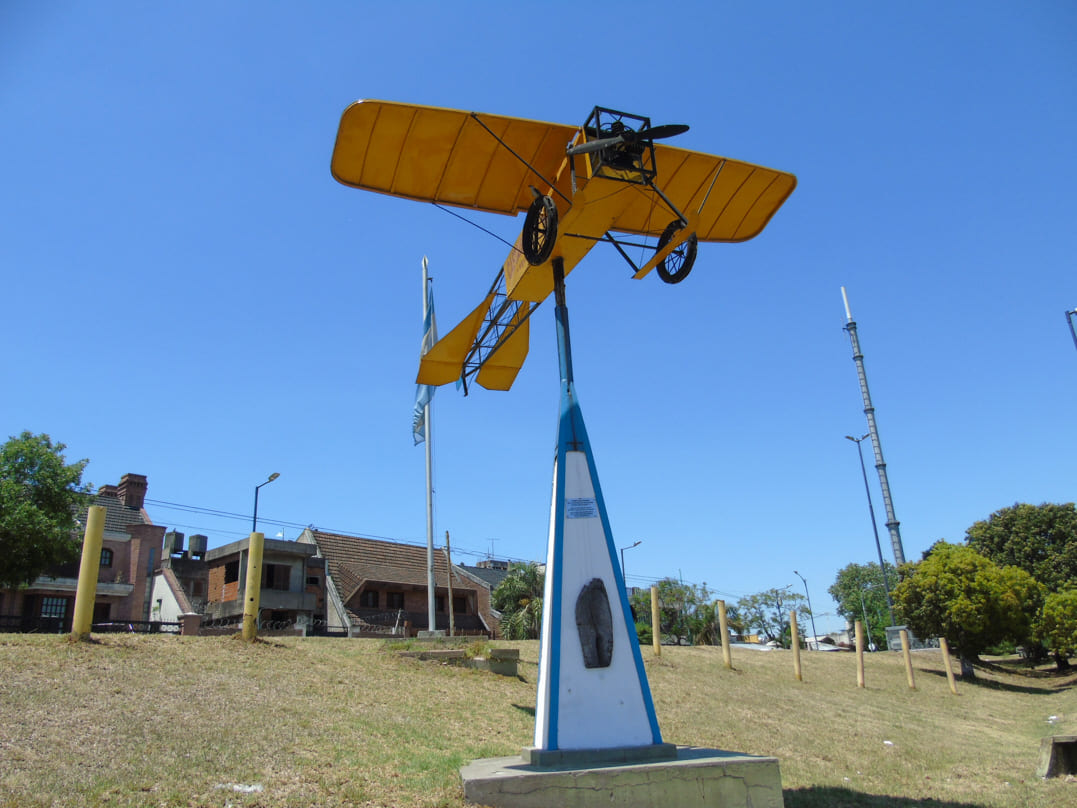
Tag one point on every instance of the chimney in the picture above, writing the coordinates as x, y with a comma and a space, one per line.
107, 491
132, 490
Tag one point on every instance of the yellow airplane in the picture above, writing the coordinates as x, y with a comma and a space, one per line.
578, 185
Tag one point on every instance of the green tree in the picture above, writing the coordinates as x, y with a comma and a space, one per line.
519, 599
956, 593
1040, 539
860, 592
687, 613
1056, 627
768, 613
40, 495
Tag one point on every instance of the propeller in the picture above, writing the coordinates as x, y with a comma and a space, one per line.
654, 133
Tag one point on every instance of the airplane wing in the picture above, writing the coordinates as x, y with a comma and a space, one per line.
453, 157
733, 200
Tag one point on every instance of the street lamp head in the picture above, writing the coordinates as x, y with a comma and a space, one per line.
254, 522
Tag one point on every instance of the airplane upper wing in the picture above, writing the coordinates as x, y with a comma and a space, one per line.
734, 200
449, 156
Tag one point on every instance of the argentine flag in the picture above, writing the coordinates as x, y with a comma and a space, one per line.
424, 392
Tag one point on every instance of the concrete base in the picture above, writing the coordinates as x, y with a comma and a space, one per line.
587, 758
1058, 756
696, 777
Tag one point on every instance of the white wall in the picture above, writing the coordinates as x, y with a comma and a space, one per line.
170, 610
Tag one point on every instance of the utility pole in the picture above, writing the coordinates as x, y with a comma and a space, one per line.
892, 523
448, 577
810, 612
874, 527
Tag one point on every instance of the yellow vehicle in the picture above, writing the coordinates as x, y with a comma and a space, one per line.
605, 181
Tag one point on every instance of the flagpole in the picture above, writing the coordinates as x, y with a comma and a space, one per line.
430, 582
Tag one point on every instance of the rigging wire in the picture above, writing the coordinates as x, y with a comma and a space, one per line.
462, 218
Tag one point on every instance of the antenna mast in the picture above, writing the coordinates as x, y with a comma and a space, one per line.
892, 523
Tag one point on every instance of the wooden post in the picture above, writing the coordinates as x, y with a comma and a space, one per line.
859, 654
945, 646
448, 576
88, 570
795, 637
656, 622
908, 659
253, 592
723, 626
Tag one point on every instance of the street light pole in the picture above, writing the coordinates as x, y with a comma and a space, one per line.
1069, 319
867, 625
254, 522
810, 612
629, 547
874, 527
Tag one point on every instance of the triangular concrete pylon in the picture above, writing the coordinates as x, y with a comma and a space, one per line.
592, 688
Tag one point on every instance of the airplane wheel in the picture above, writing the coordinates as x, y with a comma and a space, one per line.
676, 266
540, 230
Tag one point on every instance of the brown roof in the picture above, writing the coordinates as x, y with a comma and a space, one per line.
117, 515
354, 560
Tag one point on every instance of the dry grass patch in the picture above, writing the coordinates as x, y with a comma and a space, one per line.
838, 743
154, 720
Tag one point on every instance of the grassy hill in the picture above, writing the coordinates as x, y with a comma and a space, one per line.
199, 721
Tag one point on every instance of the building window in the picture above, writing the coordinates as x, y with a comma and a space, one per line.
278, 576
394, 600
197, 589
313, 580
106, 557
459, 604
231, 571
439, 604
368, 599
54, 607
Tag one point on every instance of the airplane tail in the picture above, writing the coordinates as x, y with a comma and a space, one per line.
488, 346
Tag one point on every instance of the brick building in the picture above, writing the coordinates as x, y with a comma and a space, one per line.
381, 586
180, 582
130, 550
293, 584
212, 583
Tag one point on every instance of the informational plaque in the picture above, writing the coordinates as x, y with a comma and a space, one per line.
582, 508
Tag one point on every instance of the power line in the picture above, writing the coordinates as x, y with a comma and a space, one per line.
297, 526
636, 579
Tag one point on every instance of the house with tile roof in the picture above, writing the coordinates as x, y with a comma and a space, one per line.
380, 587
491, 571
130, 550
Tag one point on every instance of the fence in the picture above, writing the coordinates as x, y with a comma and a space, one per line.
28, 624
136, 627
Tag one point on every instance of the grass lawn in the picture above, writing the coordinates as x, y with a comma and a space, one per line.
212, 721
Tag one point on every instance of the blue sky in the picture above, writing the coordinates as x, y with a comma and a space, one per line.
189, 295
